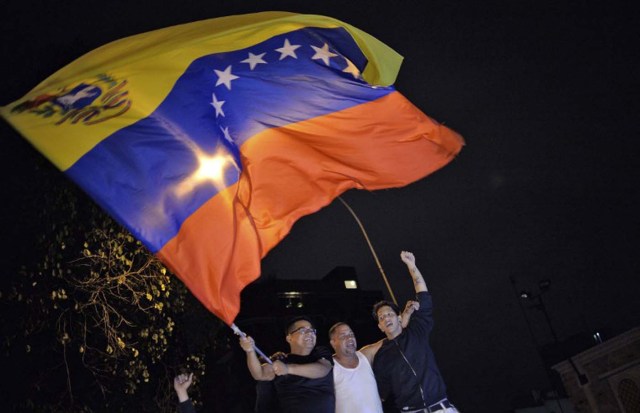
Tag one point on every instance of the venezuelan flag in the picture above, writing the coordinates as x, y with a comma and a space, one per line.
209, 140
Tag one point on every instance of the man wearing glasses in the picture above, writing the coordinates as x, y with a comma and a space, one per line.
301, 378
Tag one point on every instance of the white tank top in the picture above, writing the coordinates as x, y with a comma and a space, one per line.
356, 389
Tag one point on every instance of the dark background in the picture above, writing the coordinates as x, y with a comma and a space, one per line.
545, 94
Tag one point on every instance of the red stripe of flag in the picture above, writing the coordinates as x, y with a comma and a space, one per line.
293, 171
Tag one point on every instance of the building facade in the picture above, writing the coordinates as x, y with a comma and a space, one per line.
612, 369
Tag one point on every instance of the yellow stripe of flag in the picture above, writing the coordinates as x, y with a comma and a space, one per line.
141, 70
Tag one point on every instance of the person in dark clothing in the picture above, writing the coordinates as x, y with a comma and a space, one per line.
302, 379
266, 400
404, 365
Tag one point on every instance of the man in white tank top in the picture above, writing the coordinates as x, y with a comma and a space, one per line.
355, 385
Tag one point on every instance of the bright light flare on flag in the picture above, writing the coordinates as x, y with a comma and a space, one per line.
211, 169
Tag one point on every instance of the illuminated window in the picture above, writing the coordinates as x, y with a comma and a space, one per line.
350, 284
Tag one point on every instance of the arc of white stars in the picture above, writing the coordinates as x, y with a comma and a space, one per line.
217, 105
254, 60
323, 54
225, 77
351, 68
226, 133
288, 50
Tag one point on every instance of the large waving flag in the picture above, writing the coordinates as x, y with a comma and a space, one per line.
209, 140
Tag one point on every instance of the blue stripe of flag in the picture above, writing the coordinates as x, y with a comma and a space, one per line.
134, 172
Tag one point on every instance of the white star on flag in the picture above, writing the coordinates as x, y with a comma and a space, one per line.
226, 133
323, 54
288, 49
217, 105
253, 60
351, 68
225, 77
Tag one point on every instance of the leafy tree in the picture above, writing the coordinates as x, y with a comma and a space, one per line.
98, 323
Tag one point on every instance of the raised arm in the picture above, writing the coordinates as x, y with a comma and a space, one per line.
409, 308
416, 276
180, 384
263, 372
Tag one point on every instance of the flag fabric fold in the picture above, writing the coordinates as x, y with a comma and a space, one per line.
209, 140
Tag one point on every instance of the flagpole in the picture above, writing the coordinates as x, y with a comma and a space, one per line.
238, 332
375, 256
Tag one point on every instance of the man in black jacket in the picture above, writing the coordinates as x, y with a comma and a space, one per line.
404, 366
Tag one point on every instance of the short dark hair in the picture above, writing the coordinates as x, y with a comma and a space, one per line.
335, 327
294, 320
377, 306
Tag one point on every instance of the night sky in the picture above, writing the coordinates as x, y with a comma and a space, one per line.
545, 94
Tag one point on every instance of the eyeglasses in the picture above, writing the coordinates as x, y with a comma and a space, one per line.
304, 330
346, 336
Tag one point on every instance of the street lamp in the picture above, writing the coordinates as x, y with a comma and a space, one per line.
539, 304
544, 286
